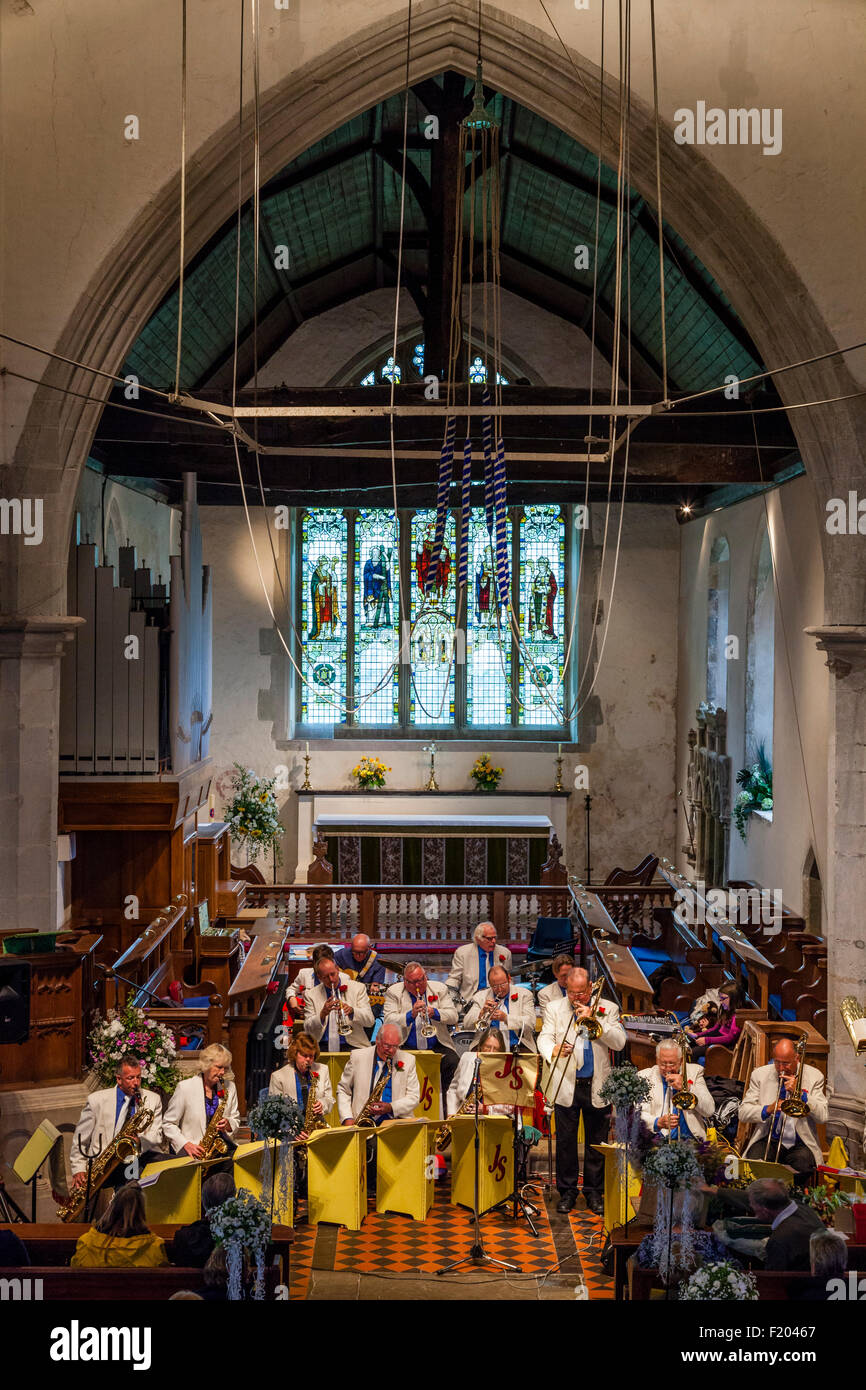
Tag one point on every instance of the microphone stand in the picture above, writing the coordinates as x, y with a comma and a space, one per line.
133, 984
477, 1254
519, 1204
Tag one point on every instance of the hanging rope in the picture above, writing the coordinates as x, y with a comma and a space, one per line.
183, 83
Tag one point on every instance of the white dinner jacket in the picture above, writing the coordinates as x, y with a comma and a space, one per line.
185, 1117
762, 1090
398, 1002
282, 1083
463, 976
655, 1106
521, 1015
97, 1126
356, 997
553, 1032
551, 994
353, 1090
306, 978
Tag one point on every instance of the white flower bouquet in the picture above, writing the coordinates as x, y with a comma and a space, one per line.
722, 1281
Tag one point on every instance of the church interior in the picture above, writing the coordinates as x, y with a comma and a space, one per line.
439, 876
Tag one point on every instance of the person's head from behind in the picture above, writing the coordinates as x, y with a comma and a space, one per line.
828, 1254
125, 1216
767, 1197
216, 1190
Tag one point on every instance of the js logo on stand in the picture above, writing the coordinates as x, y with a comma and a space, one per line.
426, 1093
497, 1165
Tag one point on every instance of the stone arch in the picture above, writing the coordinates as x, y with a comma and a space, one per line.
305, 105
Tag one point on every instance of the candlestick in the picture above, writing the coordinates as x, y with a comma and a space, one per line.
306, 785
432, 784
558, 784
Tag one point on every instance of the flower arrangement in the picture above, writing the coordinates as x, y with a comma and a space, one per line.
370, 773
824, 1202
243, 1226
757, 793
253, 814
484, 774
672, 1164
624, 1088
722, 1281
707, 1248
129, 1031
719, 1166
277, 1118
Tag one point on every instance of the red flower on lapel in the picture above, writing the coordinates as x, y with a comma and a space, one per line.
601, 1011
501, 957
399, 1066
343, 988
513, 997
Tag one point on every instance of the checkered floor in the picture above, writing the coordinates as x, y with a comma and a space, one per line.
396, 1245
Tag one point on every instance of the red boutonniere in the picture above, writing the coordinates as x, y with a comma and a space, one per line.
431, 998
501, 957
602, 1012
688, 1081
399, 1066
513, 997
343, 988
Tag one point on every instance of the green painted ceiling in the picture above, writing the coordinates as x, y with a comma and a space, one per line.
337, 208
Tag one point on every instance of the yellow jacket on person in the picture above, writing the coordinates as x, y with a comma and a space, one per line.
95, 1250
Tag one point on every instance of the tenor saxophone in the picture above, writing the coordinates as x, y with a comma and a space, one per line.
312, 1121
212, 1141
443, 1133
122, 1146
365, 1120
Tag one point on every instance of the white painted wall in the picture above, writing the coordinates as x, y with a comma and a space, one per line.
630, 762
151, 526
775, 852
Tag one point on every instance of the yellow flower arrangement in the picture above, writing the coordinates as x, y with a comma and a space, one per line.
484, 774
370, 772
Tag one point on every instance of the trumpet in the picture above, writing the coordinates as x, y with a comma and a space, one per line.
344, 1023
426, 1028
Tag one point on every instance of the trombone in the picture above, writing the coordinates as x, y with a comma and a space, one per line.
791, 1105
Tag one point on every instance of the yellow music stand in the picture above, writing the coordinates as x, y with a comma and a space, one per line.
336, 1063
247, 1170
617, 1193
404, 1178
429, 1065
175, 1195
495, 1163
337, 1177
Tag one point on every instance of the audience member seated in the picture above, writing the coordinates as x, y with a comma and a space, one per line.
791, 1225
828, 1261
193, 1244
121, 1236
725, 1031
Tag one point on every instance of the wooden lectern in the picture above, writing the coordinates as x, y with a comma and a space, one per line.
336, 1064
496, 1161
248, 1173
337, 1176
429, 1065
404, 1175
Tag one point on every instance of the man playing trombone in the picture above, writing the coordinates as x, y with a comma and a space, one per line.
578, 1034
773, 1093
661, 1112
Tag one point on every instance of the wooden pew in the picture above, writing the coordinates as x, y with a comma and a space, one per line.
53, 1244
120, 1285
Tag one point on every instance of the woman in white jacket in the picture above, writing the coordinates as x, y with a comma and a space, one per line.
196, 1100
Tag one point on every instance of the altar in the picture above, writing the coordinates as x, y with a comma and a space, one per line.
471, 838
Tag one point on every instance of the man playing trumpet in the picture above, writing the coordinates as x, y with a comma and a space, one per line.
786, 1138
506, 1006
661, 1112
337, 1011
579, 1065
423, 1013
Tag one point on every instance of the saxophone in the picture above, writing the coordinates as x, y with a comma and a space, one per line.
312, 1122
365, 1120
443, 1133
122, 1146
212, 1141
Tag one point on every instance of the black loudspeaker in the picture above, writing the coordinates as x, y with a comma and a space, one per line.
14, 1000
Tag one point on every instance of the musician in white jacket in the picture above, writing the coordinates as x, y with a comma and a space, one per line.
405, 1004
577, 1073
326, 1001
402, 1092
106, 1112
555, 991
470, 963
196, 1100
506, 1006
464, 1077
294, 1078
768, 1087
665, 1078
306, 978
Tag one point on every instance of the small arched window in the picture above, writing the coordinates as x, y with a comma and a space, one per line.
718, 584
760, 659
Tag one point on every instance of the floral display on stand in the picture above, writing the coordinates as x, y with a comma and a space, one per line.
129, 1032
485, 776
279, 1118
370, 773
252, 815
242, 1226
626, 1090
672, 1167
757, 793
824, 1202
723, 1281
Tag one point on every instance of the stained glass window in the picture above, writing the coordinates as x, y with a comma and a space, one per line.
542, 615
395, 367
488, 634
323, 615
377, 617
434, 653
369, 379
391, 371
477, 372
418, 358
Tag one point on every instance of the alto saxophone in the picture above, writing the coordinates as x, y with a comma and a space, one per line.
212, 1141
365, 1120
122, 1146
312, 1121
443, 1133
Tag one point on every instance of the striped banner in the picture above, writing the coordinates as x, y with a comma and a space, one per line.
446, 463
463, 540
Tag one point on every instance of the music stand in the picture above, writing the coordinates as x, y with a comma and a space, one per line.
477, 1254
